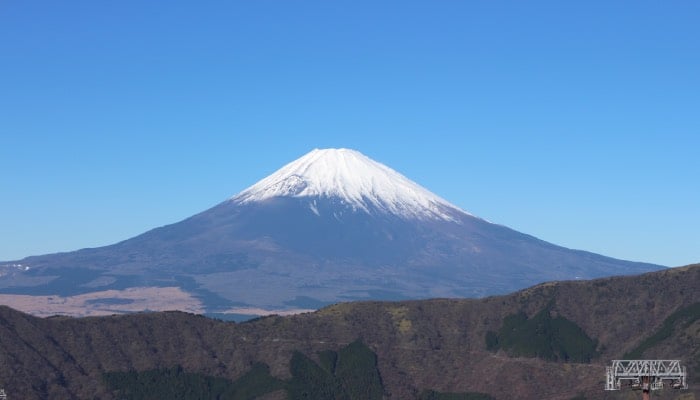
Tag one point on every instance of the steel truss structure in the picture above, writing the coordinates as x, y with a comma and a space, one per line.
645, 374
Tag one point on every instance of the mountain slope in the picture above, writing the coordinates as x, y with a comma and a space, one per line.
420, 345
331, 226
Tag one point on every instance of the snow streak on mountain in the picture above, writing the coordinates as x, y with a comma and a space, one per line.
353, 178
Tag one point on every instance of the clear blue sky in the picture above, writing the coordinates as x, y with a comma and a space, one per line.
576, 122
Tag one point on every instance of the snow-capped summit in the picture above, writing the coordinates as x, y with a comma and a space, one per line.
331, 226
353, 178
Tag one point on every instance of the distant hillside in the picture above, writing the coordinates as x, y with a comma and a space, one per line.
550, 341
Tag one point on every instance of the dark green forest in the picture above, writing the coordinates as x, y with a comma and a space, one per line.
174, 383
349, 374
543, 336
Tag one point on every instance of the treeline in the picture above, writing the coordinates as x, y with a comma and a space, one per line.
174, 383
349, 374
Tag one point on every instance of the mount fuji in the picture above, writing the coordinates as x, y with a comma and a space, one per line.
331, 226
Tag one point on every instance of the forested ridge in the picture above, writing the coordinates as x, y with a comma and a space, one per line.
549, 341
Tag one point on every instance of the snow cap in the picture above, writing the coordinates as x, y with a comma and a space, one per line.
354, 178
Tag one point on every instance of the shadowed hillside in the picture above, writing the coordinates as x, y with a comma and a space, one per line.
550, 341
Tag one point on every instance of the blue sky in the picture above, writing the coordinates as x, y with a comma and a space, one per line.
576, 122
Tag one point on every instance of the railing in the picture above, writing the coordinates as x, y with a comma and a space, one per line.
653, 372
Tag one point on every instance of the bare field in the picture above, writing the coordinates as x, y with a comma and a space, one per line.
106, 302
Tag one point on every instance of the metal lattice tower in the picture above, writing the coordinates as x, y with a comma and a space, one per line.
645, 374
